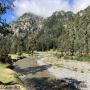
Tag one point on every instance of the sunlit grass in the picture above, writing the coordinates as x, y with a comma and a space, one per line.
3, 65
51, 60
9, 77
16, 56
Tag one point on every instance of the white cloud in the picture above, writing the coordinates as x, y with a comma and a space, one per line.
47, 7
80, 5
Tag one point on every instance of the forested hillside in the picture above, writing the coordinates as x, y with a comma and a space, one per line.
63, 31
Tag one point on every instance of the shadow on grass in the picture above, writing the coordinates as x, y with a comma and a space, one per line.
54, 84
32, 69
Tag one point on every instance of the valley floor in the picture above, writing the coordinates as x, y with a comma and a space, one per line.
46, 72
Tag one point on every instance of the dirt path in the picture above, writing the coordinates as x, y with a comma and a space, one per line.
39, 74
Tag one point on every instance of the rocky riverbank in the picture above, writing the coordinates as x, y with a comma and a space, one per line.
40, 74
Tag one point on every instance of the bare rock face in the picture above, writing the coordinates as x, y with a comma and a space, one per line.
27, 23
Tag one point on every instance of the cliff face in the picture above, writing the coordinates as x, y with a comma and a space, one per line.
27, 23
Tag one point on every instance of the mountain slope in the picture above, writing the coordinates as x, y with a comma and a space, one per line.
64, 31
27, 22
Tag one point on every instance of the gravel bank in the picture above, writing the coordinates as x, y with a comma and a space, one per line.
70, 70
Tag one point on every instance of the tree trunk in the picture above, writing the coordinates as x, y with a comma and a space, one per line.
86, 42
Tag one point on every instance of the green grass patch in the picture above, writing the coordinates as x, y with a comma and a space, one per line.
9, 77
78, 58
83, 58
3, 65
70, 57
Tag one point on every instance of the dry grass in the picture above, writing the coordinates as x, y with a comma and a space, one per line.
51, 60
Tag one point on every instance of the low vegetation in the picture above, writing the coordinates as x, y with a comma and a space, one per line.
83, 58
9, 77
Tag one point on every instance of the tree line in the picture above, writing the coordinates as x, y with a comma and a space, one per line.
63, 31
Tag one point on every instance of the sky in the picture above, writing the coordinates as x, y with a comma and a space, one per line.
44, 8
